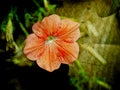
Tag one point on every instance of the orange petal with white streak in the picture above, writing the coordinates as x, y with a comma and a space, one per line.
69, 31
67, 52
48, 26
34, 47
48, 59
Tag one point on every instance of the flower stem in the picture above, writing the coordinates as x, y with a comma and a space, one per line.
78, 64
46, 5
21, 25
93, 52
36, 3
101, 83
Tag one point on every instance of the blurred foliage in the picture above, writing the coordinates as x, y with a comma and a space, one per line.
82, 81
16, 25
44, 8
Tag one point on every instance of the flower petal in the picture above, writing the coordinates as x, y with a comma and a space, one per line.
67, 52
69, 31
48, 26
39, 30
48, 60
34, 47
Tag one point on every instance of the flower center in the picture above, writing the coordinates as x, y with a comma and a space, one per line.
50, 39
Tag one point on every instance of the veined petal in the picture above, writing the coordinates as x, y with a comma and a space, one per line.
48, 59
67, 52
34, 47
69, 31
48, 25
39, 30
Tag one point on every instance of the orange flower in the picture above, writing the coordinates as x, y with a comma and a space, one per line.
53, 42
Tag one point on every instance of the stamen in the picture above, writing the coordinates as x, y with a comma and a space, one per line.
50, 39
